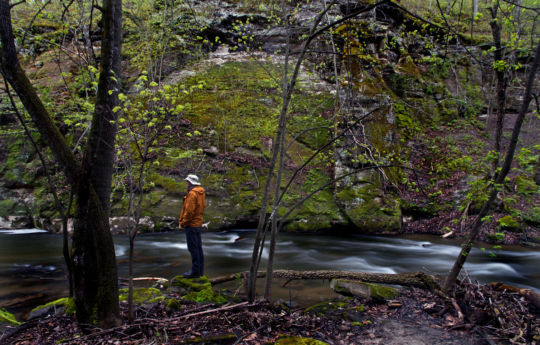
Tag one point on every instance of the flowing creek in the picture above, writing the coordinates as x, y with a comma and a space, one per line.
32, 270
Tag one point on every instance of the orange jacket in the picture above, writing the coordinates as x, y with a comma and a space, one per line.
193, 208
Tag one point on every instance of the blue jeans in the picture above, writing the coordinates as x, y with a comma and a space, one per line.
194, 244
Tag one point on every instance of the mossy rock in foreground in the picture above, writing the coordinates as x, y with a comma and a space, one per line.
191, 284
290, 340
364, 290
197, 290
63, 305
142, 295
8, 318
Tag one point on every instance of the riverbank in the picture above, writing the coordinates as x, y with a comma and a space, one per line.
479, 314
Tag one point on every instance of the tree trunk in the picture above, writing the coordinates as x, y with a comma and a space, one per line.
96, 279
502, 84
94, 263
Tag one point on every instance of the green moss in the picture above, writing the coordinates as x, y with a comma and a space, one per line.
319, 212
197, 290
142, 295
192, 284
7, 317
173, 304
206, 296
381, 292
508, 223
7, 207
290, 340
169, 184
66, 302
368, 210
238, 100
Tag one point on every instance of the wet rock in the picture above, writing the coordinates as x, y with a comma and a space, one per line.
57, 307
363, 290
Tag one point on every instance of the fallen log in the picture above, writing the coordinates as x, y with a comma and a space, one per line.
415, 279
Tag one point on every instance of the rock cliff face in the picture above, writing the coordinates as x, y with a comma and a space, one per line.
372, 86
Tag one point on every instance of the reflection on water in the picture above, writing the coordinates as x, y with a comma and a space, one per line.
31, 262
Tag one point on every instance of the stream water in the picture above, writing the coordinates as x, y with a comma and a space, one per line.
32, 269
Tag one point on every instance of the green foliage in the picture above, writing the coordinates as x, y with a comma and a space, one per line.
405, 121
525, 186
496, 237
171, 29
532, 216
528, 158
478, 193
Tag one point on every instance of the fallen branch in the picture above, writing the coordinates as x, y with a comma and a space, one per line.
416, 279
458, 310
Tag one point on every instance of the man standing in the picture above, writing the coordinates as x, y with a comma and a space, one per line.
191, 220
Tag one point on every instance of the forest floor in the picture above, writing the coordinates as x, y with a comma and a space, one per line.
477, 314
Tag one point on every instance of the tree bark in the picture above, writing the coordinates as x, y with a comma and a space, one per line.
415, 279
96, 279
502, 84
94, 263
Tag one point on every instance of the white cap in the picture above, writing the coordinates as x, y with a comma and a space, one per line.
193, 179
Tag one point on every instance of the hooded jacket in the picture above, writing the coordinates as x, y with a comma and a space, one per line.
193, 208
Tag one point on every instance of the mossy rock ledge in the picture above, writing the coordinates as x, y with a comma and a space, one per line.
368, 209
